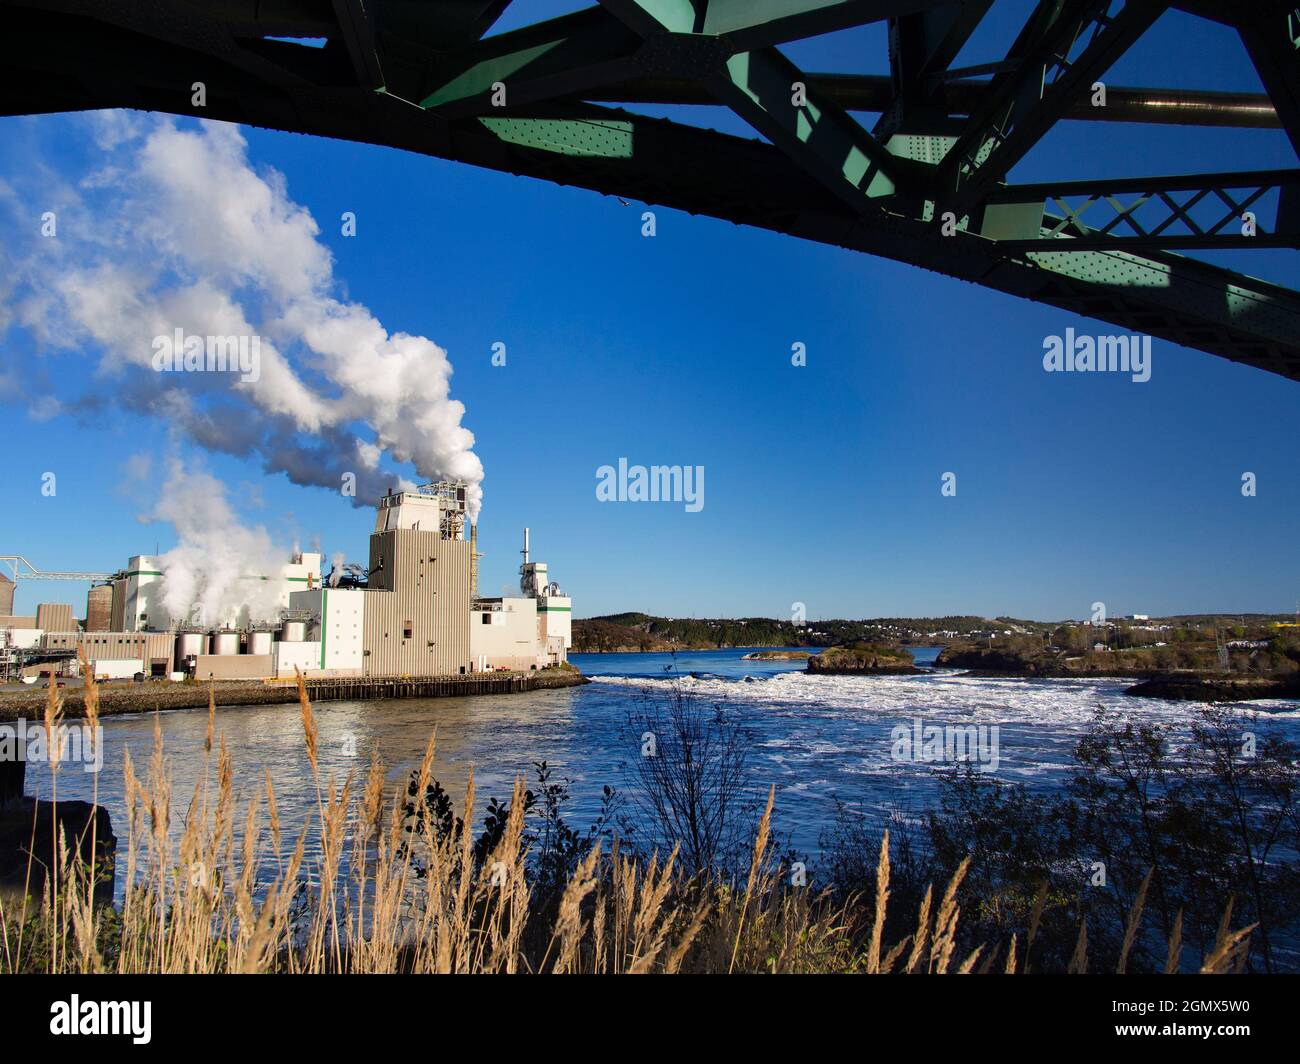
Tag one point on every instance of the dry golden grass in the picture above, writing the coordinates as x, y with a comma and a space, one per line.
379, 897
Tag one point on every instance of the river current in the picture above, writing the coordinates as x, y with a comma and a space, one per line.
818, 739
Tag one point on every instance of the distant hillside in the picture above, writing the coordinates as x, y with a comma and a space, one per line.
631, 632
634, 631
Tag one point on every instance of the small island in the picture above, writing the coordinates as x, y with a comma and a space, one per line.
778, 655
863, 659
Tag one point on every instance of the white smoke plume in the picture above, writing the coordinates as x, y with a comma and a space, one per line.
174, 229
218, 573
336, 568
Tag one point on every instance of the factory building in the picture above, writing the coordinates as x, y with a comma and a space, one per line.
334, 643
137, 595
116, 654
526, 632
417, 599
413, 612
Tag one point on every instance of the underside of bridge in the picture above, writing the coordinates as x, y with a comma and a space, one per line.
924, 181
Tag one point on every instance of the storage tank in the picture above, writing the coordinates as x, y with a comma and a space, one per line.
188, 645
99, 608
259, 642
225, 642
293, 632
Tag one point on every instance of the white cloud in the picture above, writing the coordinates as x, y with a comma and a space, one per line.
176, 229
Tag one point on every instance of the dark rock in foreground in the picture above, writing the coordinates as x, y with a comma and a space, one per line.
29, 830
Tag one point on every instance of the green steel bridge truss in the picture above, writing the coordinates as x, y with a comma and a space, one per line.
925, 183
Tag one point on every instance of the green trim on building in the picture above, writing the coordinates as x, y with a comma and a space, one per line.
142, 572
554, 609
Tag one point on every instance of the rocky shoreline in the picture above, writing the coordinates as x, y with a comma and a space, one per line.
1196, 684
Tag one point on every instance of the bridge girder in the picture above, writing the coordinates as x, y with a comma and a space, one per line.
422, 77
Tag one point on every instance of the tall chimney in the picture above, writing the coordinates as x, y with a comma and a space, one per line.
473, 561
525, 546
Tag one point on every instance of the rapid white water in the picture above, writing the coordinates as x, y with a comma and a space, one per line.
818, 739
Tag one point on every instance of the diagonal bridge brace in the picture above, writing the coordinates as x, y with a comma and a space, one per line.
63, 55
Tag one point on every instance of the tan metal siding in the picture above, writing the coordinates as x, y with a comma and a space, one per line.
424, 579
233, 666
55, 617
117, 622
113, 645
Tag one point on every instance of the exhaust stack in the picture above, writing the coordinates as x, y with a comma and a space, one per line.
473, 561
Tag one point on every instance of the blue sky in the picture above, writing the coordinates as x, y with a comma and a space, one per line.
822, 483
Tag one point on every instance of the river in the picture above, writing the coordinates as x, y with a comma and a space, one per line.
818, 739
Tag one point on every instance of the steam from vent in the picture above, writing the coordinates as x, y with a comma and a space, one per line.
221, 570
176, 231
336, 571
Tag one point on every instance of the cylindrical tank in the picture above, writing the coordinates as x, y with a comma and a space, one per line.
293, 632
188, 645
99, 608
225, 642
259, 642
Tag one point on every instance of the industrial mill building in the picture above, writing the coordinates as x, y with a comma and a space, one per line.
414, 611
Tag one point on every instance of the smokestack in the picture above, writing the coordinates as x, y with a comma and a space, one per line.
473, 561
525, 546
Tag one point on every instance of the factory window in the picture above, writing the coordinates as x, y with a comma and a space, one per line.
487, 617
406, 630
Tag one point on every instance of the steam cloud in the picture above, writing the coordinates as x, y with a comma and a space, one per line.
215, 574
175, 229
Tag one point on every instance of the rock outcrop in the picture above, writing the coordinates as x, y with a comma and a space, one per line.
863, 659
1216, 688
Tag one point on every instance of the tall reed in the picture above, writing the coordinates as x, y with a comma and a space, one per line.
387, 890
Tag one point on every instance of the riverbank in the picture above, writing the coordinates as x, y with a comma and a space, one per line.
1197, 677
115, 699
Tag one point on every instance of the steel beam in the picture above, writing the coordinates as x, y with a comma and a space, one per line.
751, 24
818, 134
1046, 78
1271, 34
560, 57
1148, 213
358, 33
79, 54
772, 94
875, 93
922, 44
